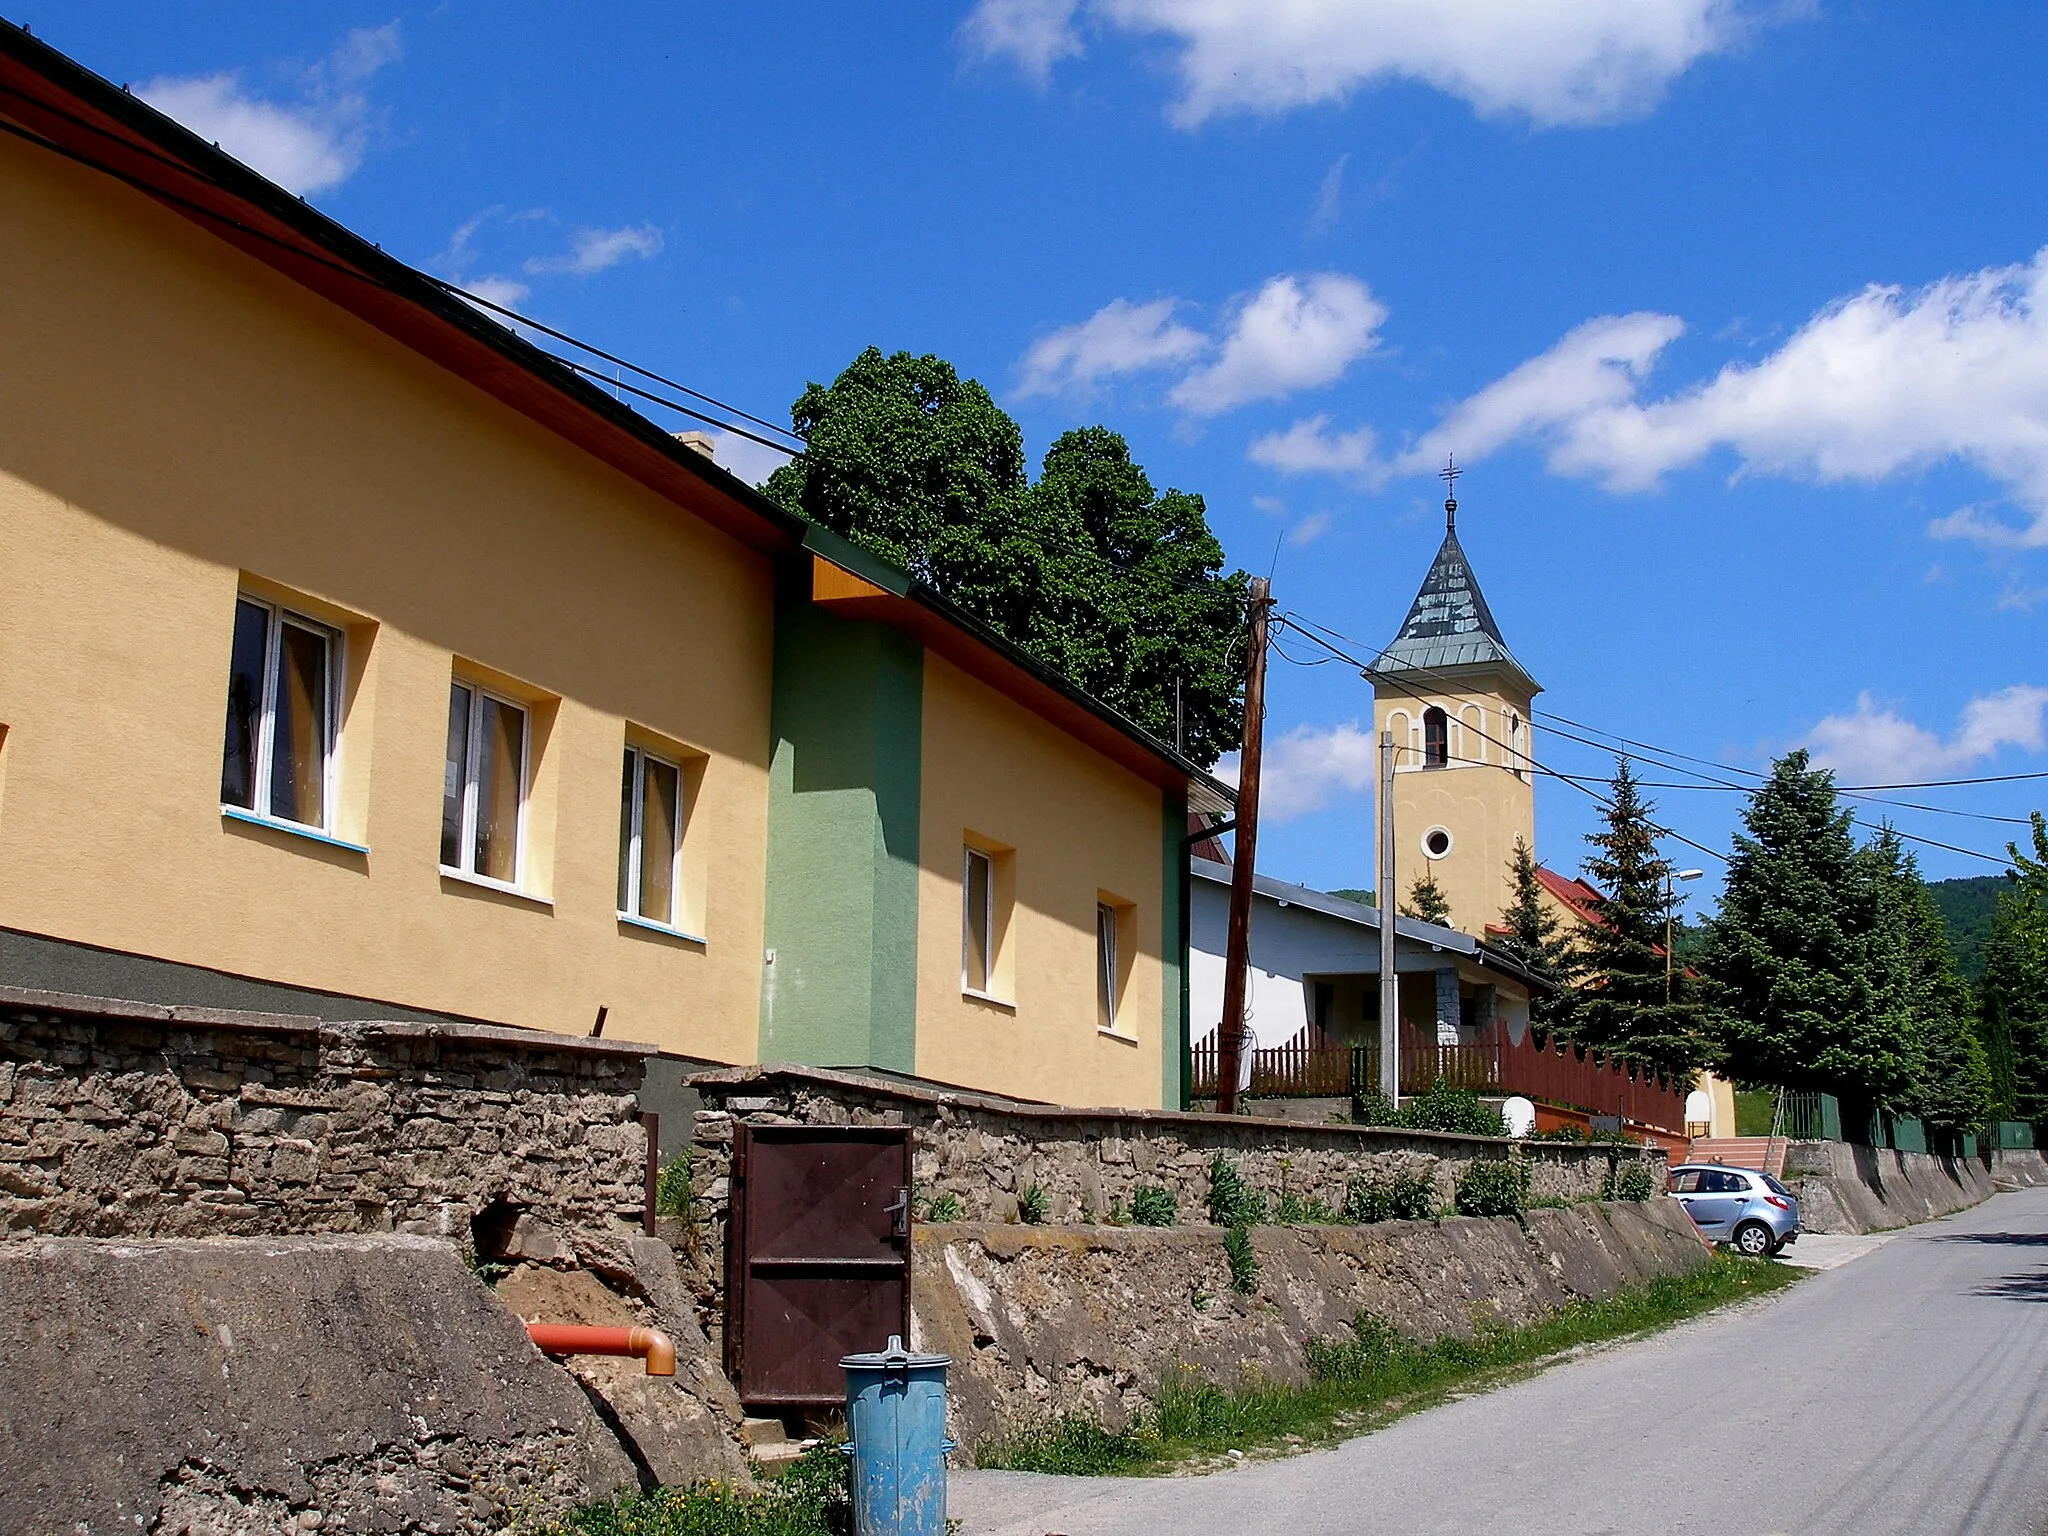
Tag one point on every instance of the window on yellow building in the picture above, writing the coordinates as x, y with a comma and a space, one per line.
650, 837
278, 753
1105, 966
483, 786
977, 942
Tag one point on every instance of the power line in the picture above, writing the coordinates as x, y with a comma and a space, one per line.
319, 258
1303, 627
1599, 799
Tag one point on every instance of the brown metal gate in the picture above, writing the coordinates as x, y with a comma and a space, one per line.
817, 1257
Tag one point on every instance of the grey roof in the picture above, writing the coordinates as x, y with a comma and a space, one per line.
1449, 624
1452, 939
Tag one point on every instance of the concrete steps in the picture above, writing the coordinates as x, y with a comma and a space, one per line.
1766, 1154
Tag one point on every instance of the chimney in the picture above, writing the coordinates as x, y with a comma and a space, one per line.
703, 442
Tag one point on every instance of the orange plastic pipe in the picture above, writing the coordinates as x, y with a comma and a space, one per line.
649, 1344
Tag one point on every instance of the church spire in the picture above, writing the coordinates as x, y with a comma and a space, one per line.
1449, 624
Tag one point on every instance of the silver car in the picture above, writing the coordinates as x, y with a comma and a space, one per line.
1751, 1210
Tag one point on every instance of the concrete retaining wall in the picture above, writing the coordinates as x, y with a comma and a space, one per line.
1047, 1320
271, 1384
1853, 1189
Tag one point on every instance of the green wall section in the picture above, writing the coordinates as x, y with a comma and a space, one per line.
847, 725
1173, 979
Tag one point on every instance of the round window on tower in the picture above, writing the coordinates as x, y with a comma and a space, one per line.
1436, 842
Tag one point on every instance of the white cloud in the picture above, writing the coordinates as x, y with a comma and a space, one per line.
1550, 61
1294, 333
1310, 447
1886, 381
1307, 768
1037, 34
1880, 746
498, 290
1329, 197
1120, 337
1595, 369
305, 145
1310, 528
753, 462
597, 250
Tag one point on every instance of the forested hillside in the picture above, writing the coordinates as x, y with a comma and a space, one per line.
1966, 907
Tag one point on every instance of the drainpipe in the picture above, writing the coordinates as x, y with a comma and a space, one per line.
649, 1344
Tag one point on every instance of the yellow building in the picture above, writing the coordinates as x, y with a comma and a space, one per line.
359, 658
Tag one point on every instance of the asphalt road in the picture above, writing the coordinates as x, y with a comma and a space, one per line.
1906, 1390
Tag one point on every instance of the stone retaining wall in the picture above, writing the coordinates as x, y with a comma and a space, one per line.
1851, 1189
985, 1151
127, 1119
1042, 1321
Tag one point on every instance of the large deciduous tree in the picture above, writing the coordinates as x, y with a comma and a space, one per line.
1090, 571
1628, 1002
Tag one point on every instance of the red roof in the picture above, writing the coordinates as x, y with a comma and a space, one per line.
1581, 898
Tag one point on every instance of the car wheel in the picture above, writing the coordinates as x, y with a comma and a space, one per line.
1753, 1239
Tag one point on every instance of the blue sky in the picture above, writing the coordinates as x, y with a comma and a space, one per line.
1732, 312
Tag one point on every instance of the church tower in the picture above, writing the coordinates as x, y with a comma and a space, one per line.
1457, 703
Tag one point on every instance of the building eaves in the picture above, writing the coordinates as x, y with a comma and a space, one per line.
87, 119
1436, 937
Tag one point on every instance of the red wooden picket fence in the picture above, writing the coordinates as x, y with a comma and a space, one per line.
1556, 1074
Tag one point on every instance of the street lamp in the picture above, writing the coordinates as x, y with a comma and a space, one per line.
1669, 907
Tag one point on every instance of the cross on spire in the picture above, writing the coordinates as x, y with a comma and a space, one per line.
1449, 475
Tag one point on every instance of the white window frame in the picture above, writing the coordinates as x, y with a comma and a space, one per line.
266, 719
985, 986
1108, 919
466, 845
634, 850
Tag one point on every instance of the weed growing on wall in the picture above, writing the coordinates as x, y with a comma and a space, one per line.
673, 1193
1627, 1181
1295, 1211
1244, 1264
1366, 1380
1152, 1206
1232, 1202
1494, 1189
1407, 1198
943, 1207
1031, 1204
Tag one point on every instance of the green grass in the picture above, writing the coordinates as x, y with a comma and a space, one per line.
1365, 1380
1755, 1108
808, 1499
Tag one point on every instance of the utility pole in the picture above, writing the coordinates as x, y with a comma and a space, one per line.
1671, 906
1237, 944
1387, 900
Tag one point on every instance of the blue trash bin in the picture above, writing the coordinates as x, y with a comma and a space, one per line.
896, 1421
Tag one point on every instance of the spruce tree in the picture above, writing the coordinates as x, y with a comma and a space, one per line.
1785, 957
1426, 902
1536, 938
1623, 1004
1913, 971
2016, 983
